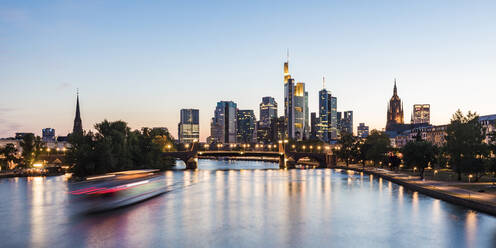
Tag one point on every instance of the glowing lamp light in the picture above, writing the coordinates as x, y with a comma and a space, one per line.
38, 165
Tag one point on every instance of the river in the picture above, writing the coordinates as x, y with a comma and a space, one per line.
244, 204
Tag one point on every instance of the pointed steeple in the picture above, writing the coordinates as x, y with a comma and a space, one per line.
395, 90
78, 126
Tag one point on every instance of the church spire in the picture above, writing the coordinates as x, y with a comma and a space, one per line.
395, 90
78, 126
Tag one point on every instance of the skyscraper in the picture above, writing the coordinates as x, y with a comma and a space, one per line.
268, 110
345, 122
314, 125
333, 127
395, 110
421, 113
324, 114
246, 126
189, 126
307, 118
223, 127
289, 89
299, 111
328, 121
78, 125
362, 130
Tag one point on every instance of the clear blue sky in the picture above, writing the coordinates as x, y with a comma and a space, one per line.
142, 61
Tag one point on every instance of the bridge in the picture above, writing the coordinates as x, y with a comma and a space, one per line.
287, 159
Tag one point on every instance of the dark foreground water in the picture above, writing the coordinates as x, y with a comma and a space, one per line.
244, 208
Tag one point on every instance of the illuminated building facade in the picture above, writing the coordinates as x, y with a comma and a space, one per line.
345, 121
223, 128
395, 111
48, 135
307, 118
189, 126
488, 123
246, 126
362, 130
421, 113
300, 107
277, 129
328, 120
289, 108
268, 110
324, 113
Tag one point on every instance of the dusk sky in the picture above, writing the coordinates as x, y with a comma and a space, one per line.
143, 61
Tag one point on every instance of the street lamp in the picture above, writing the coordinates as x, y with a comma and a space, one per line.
469, 177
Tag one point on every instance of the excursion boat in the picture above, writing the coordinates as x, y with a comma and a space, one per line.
118, 189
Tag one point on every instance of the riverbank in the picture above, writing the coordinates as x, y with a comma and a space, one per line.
30, 174
453, 192
264, 159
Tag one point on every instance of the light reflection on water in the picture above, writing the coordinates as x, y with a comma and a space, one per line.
245, 208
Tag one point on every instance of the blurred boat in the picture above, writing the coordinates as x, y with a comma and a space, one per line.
118, 189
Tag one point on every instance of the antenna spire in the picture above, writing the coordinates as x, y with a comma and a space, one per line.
287, 55
323, 82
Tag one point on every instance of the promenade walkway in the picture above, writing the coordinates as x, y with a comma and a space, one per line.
454, 192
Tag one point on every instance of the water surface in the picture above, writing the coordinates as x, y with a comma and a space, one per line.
249, 206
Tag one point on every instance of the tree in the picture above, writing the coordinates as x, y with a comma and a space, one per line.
8, 154
31, 149
346, 151
361, 152
114, 147
419, 154
395, 161
378, 146
464, 142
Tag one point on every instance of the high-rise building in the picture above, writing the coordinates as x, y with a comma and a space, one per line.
333, 127
395, 111
328, 119
307, 118
189, 126
421, 113
223, 128
277, 129
289, 113
362, 130
78, 125
268, 110
299, 111
346, 122
246, 126
263, 132
48, 134
324, 114
314, 125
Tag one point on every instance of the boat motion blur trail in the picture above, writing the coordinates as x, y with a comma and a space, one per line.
118, 189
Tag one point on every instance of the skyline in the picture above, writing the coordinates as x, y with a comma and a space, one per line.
148, 68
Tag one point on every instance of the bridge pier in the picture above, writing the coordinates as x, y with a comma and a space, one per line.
191, 164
